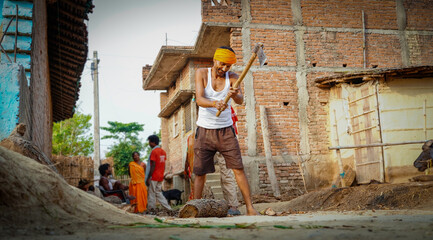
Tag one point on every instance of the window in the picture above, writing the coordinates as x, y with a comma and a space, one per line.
175, 124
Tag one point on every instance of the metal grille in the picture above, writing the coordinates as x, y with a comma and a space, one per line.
188, 117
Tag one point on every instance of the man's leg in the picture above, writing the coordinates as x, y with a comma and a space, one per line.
242, 181
151, 200
199, 185
119, 186
228, 183
159, 196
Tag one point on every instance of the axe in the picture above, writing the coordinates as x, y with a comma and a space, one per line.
258, 51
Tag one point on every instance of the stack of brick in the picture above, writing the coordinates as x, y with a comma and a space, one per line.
288, 176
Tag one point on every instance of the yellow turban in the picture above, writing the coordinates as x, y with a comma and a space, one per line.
225, 55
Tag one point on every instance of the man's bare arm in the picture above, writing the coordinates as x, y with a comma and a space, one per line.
152, 169
199, 92
104, 183
235, 93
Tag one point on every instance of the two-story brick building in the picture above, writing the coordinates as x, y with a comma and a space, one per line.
304, 40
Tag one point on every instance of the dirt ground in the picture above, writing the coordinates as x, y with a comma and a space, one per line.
36, 203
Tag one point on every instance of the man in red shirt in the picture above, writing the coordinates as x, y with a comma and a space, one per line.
155, 174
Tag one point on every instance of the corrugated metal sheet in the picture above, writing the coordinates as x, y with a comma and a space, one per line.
67, 51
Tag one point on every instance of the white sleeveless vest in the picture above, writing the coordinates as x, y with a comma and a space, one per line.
207, 116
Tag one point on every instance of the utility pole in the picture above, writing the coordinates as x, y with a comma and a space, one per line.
96, 137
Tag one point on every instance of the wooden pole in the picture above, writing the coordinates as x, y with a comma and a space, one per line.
375, 145
96, 138
425, 118
382, 161
340, 162
300, 168
16, 34
363, 40
268, 152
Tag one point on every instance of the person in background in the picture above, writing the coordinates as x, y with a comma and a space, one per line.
137, 188
155, 174
110, 184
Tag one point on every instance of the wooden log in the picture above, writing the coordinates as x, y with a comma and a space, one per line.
422, 178
204, 208
268, 152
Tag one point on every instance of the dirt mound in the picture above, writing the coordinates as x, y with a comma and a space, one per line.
364, 197
34, 199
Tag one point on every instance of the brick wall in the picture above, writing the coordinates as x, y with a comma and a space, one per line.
326, 49
277, 91
174, 159
185, 78
164, 124
307, 39
288, 175
419, 14
202, 63
173, 88
146, 71
385, 51
236, 43
317, 112
280, 46
421, 49
271, 12
347, 14
228, 13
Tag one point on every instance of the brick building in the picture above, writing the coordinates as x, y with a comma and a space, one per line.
304, 40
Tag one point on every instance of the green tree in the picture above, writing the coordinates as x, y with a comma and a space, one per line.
126, 135
148, 148
72, 136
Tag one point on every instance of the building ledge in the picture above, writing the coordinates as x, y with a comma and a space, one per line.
172, 59
373, 74
175, 102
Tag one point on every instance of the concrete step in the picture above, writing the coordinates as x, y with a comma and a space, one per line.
213, 183
213, 176
216, 189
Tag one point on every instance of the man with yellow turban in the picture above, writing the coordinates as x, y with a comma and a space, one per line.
216, 134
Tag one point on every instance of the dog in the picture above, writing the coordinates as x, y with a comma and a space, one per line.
173, 194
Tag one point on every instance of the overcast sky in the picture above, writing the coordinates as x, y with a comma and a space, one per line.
128, 34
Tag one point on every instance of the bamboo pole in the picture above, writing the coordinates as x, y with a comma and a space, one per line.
425, 118
300, 168
340, 162
375, 145
268, 152
379, 124
16, 35
363, 40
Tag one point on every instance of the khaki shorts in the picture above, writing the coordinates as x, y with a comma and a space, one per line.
210, 141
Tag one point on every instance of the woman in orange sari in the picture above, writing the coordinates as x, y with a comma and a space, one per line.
137, 187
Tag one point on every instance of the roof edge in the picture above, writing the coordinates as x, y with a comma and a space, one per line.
371, 74
186, 51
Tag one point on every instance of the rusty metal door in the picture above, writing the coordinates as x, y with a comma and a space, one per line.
363, 112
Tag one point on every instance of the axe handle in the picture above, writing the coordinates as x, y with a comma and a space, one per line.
238, 82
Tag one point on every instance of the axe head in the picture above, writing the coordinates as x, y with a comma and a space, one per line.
258, 49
